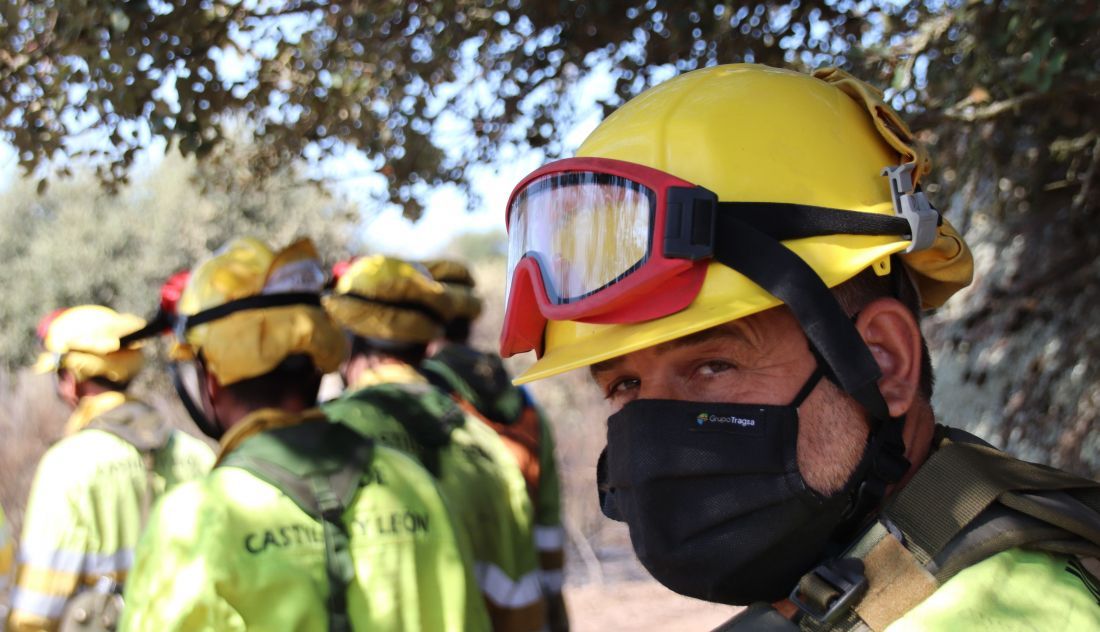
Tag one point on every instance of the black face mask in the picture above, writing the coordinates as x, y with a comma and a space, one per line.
716, 506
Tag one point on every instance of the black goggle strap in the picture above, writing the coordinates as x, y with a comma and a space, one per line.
690, 229
182, 323
782, 221
259, 301
409, 306
833, 338
156, 325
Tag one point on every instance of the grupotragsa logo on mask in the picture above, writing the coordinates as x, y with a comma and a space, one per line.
707, 418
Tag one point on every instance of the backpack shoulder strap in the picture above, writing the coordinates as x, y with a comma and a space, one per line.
139, 425
320, 467
428, 414
997, 503
135, 423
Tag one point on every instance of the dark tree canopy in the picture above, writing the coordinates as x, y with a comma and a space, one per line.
396, 80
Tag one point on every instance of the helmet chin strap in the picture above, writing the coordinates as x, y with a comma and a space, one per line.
836, 342
209, 427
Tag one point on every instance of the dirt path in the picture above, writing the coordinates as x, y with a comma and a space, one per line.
640, 605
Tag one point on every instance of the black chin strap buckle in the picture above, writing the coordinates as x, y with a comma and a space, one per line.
830, 590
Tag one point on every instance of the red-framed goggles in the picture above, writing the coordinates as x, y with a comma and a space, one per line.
597, 240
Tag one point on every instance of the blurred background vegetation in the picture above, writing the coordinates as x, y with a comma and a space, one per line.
254, 100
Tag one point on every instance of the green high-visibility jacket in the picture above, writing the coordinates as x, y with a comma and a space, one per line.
478, 478
84, 513
1013, 591
481, 380
234, 552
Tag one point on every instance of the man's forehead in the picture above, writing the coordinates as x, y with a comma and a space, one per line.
741, 332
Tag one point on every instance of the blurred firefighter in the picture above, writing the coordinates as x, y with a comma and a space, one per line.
93, 490
302, 524
392, 310
481, 385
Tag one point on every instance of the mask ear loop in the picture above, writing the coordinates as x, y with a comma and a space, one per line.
808, 387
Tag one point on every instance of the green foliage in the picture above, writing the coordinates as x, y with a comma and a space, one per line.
393, 79
478, 246
77, 244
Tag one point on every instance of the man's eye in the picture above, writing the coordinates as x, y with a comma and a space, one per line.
621, 386
714, 367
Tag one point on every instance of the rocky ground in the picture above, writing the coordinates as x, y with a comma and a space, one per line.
620, 595
640, 605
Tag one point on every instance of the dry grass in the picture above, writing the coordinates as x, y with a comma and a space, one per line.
31, 419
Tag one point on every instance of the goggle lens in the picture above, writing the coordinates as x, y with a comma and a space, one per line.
585, 230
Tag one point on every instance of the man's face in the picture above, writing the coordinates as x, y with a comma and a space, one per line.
761, 359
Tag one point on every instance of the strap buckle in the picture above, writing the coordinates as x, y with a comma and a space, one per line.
831, 589
689, 223
913, 206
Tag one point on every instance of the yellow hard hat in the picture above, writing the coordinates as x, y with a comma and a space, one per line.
271, 305
758, 134
86, 341
389, 299
459, 282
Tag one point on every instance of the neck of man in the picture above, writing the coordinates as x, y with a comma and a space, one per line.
232, 411
920, 427
87, 388
919, 430
360, 364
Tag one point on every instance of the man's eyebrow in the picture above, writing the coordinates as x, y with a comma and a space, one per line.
605, 366
719, 331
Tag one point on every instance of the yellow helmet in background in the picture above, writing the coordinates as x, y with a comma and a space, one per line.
384, 298
86, 340
752, 133
460, 284
270, 304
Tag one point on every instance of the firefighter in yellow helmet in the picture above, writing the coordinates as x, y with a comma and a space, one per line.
481, 384
392, 310
739, 256
93, 489
302, 524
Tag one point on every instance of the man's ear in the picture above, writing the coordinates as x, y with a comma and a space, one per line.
66, 387
893, 335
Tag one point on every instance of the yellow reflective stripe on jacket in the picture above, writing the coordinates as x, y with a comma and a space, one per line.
550, 543
549, 538
504, 591
1016, 590
62, 561
231, 552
